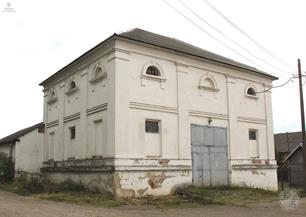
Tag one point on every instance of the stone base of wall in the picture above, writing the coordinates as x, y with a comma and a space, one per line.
264, 178
125, 178
97, 182
141, 183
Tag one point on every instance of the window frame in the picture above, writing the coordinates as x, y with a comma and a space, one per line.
147, 130
97, 78
255, 133
71, 90
152, 67
72, 131
250, 95
52, 97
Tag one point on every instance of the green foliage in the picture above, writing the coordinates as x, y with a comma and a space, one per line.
30, 183
6, 168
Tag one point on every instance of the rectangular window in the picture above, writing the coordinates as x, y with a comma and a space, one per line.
152, 126
72, 132
252, 134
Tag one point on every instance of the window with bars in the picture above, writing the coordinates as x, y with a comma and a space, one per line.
251, 91
152, 126
152, 70
252, 134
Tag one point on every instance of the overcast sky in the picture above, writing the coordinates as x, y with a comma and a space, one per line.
40, 37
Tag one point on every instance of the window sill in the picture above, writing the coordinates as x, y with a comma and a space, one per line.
71, 91
98, 79
208, 88
251, 96
51, 101
152, 77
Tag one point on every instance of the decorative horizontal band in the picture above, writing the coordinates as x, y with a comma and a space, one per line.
72, 117
97, 108
208, 114
251, 120
138, 105
52, 124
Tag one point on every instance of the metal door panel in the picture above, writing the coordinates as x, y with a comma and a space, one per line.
209, 155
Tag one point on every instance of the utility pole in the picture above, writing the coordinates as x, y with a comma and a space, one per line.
302, 120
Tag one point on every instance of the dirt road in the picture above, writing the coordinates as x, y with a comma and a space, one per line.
12, 205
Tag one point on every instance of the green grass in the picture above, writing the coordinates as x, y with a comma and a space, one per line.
227, 195
81, 198
185, 197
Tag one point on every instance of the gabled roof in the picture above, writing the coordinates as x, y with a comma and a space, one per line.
149, 38
300, 146
15, 136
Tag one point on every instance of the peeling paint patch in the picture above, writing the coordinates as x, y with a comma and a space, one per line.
122, 191
254, 172
142, 192
164, 162
256, 161
155, 181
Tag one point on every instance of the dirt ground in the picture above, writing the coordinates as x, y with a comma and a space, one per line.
12, 205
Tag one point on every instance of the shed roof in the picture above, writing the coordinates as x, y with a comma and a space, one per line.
15, 136
300, 146
149, 38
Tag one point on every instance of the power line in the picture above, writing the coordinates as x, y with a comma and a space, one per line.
233, 41
274, 56
281, 85
203, 30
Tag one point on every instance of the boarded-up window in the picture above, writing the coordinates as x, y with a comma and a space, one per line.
98, 137
50, 150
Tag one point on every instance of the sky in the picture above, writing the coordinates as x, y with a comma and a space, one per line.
37, 38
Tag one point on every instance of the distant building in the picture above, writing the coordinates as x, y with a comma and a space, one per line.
285, 143
294, 163
25, 147
142, 113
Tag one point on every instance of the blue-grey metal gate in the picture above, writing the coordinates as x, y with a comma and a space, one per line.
209, 155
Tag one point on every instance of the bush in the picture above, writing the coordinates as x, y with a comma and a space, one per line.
6, 168
30, 184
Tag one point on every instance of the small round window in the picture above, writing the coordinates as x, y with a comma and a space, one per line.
152, 70
251, 91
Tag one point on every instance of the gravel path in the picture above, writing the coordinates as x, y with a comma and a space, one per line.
12, 205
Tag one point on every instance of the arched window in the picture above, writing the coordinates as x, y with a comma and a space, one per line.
52, 95
207, 83
98, 72
152, 70
251, 91
72, 85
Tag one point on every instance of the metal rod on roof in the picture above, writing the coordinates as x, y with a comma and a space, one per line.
302, 120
